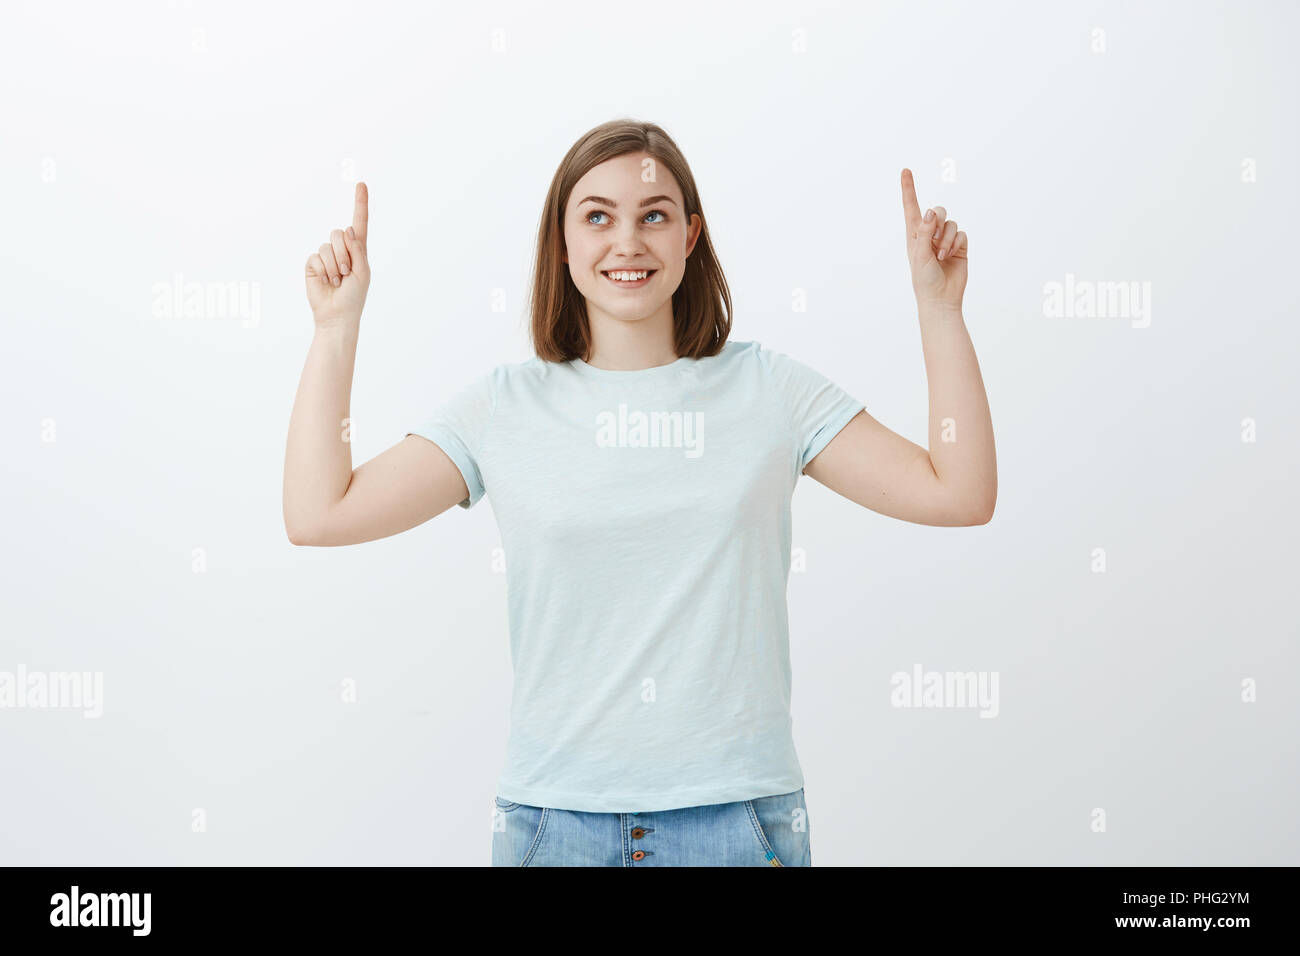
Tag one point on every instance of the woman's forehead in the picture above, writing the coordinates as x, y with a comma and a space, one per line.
632, 176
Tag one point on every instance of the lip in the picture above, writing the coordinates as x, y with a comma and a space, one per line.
628, 285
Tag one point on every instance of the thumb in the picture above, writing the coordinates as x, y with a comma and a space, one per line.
920, 248
357, 250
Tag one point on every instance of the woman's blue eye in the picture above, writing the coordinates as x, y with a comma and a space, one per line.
652, 212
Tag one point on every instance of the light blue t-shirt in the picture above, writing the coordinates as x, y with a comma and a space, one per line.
645, 520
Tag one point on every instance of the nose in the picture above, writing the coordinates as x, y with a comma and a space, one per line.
627, 239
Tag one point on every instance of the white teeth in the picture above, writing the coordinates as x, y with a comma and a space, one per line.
628, 276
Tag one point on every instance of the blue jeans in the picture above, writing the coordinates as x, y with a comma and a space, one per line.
764, 831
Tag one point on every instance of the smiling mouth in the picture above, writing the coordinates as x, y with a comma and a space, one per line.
629, 278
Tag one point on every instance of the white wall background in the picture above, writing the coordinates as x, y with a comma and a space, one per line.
220, 142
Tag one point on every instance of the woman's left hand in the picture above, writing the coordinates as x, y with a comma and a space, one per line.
936, 251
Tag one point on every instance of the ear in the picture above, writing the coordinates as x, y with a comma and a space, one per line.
692, 234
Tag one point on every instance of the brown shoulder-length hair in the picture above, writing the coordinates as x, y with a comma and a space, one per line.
701, 304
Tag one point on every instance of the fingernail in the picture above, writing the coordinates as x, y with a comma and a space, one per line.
351, 234
336, 280
941, 252
344, 268
929, 214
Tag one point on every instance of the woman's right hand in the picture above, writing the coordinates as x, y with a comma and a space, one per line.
338, 274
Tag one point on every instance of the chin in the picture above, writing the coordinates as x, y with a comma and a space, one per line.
623, 312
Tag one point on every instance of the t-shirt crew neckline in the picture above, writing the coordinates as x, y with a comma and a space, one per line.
630, 374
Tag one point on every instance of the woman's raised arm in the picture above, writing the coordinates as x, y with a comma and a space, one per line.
326, 502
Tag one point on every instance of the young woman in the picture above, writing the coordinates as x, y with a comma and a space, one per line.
641, 469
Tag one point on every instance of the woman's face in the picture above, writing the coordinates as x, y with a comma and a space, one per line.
615, 221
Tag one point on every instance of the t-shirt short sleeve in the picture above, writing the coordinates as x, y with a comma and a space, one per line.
818, 408
458, 426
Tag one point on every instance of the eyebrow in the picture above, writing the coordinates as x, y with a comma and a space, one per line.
644, 202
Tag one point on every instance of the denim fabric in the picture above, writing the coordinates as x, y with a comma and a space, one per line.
764, 831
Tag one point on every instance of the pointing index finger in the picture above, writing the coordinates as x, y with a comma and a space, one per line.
361, 212
911, 209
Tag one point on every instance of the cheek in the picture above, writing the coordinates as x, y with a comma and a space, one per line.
580, 257
672, 250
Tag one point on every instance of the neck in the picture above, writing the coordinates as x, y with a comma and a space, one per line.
619, 345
